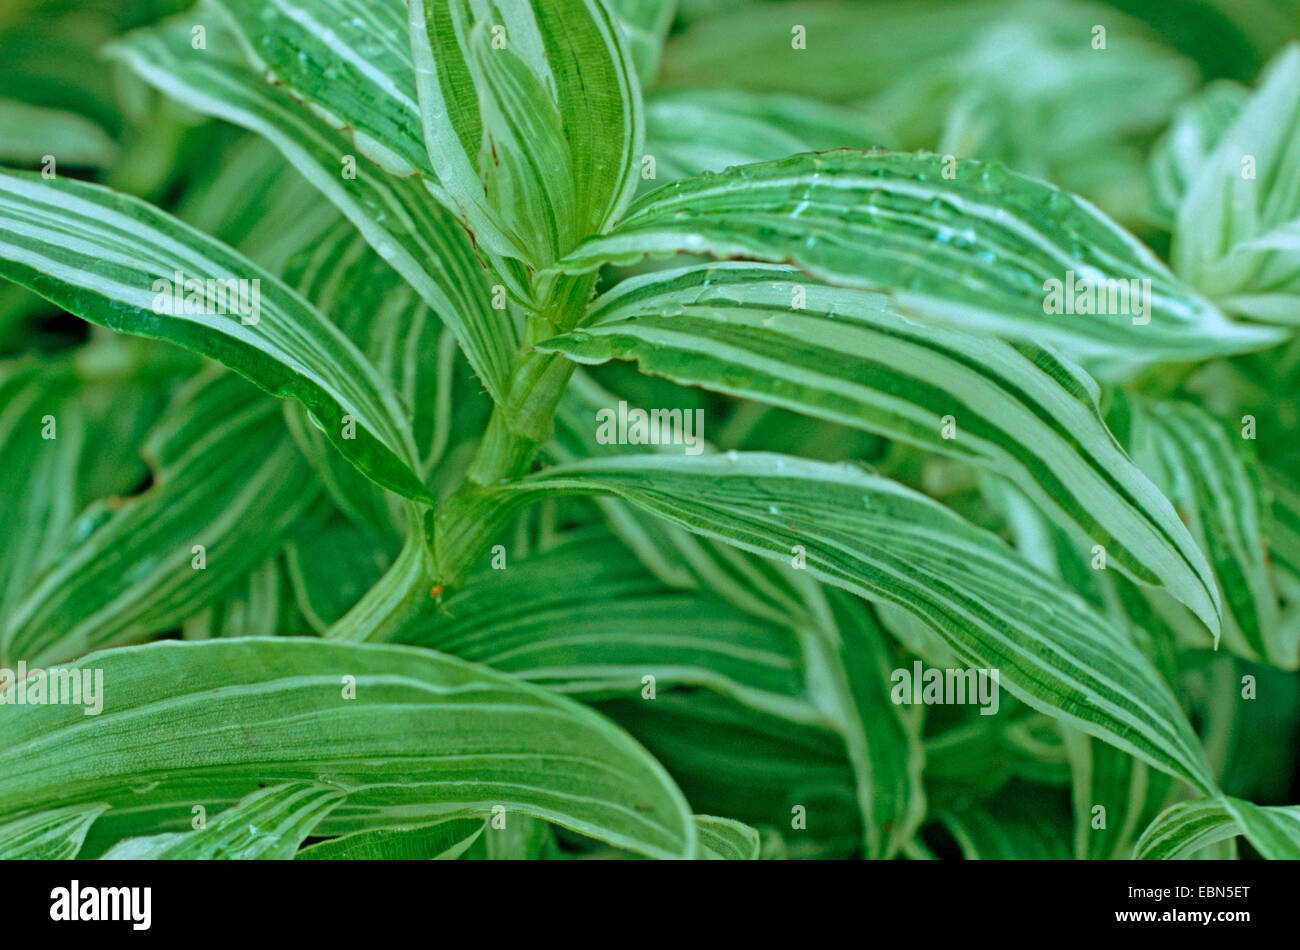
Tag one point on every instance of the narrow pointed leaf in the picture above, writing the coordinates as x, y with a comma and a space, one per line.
850, 680
601, 636
975, 246
351, 59
1235, 235
1178, 156
1185, 828
532, 117
722, 839
1216, 484
228, 486
885, 542
692, 132
444, 841
399, 217
267, 825
644, 24
120, 271
424, 735
54, 835
848, 357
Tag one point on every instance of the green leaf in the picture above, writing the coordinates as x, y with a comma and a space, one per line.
399, 334
53, 835
267, 825
1237, 237
773, 592
1180, 153
644, 24
444, 841
1129, 792
722, 839
41, 472
850, 681
225, 478
331, 566
120, 272
1217, 487
399, 217
1012, 95
585, 619
753, 767
875, 538
848, 357
29, 133
523, 839
532, 117
755, 49
1182, 829
962, 243
1284, 524
696, 131
260, 604
426, 736
350, 58
1021, 822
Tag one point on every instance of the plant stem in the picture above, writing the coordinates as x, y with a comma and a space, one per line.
468, 520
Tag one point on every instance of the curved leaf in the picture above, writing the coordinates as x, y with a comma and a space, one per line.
758, 332
722, 839
532, 117
403, 733
114, 260
1237, 237
398, 217
1219, 491
53, 835
708, 130
1187, 827
885, 542
957, 242
444, 841
585, 619
228, 485
267, 825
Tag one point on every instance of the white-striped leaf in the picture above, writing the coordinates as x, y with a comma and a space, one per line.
1019, 823
54, 835
406, 734
444, 841
722, 839
229, 485
1127, 790
1185, 828
759, 332
708, 130
399, 218
964, 243
680, 559
850, 680
1180, 153
1237, 237
644, 24
267, 825
584, 618
1217, 487
532, 118
351, 59
114, 260
885, 542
